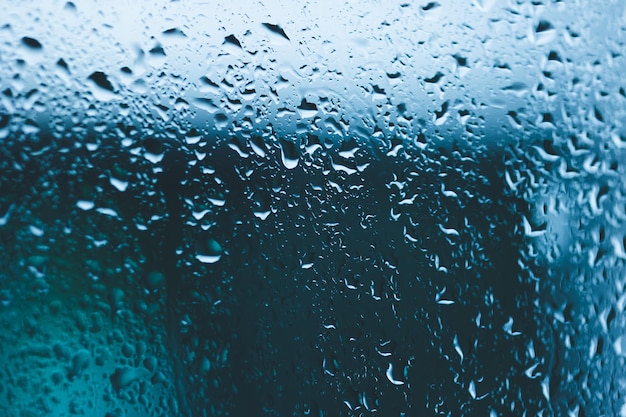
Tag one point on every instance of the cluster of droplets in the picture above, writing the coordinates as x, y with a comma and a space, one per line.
242, 216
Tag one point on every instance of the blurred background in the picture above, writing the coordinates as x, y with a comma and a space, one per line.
334, 208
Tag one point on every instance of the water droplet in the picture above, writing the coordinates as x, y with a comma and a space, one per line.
275, 29
307, 110
176, 32
101, 87
85, 205
123, 377
457, 346
118, 184
80, 362
289, 154
430, 6
208, 251
543, 33
32, 43
390, 376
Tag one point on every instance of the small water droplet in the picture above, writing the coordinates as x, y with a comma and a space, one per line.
101, 87
125, 376
119, 184
32, 43
85, 205
275, 29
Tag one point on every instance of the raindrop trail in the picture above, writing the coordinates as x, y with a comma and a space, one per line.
174, 171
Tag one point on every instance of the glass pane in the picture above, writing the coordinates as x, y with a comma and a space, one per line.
357, 208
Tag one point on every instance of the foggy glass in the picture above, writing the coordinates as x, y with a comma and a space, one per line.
397, 209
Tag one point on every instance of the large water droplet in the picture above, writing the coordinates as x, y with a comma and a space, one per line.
208, 250
289, 153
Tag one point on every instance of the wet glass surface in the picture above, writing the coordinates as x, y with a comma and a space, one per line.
329, 209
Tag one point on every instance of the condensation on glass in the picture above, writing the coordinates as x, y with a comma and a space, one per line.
398, 209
